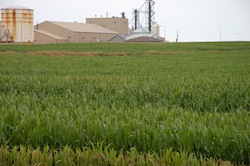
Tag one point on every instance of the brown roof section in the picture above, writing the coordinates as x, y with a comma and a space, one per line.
49, 34
82, 27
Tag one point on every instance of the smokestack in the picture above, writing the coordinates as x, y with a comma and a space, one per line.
123, 14
136, 18
150, 15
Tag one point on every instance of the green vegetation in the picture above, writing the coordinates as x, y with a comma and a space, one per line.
145, 104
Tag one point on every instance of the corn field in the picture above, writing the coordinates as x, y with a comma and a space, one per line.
125, 104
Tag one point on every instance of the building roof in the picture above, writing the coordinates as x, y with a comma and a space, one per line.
144, 38
118, 38
139, 37
17, 8
107, 18
83, 27
134, 36
50, 34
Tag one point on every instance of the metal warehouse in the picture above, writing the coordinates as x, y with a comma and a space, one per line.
73, 32
43, 37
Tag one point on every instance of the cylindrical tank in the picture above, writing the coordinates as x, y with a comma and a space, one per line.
18, 23
156, 29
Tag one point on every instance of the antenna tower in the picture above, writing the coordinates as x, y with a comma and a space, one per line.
148, 16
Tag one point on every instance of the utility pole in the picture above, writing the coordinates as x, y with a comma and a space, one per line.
177, 37
241, 36
220, 33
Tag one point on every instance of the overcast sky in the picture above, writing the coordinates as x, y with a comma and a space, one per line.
195, 20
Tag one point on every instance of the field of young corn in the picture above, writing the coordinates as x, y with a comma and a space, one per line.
125, 104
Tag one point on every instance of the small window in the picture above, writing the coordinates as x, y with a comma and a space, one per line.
114, 22
94, 38
82, 37
69, 37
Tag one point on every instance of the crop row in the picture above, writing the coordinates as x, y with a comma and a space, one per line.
212, 134
225, 94
99, 155
131, 47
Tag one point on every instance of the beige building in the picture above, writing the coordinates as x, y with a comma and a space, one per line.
116, 24
72, 32
44, 37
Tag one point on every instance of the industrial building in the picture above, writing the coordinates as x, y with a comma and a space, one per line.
72, 32
150, 32
43, 37
117, 24
17, 24
137, 37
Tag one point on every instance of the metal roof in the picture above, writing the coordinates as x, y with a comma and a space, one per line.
139, 37
83, 27
16, 8
49, 34
118, 38
134, 36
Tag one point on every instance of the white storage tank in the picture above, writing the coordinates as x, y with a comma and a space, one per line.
18, 24
156, 29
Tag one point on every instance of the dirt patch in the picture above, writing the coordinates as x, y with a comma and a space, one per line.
72, 53
10, 53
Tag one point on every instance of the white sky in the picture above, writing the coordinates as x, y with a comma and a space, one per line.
196, 20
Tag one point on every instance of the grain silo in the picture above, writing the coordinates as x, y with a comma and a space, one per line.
17, 24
